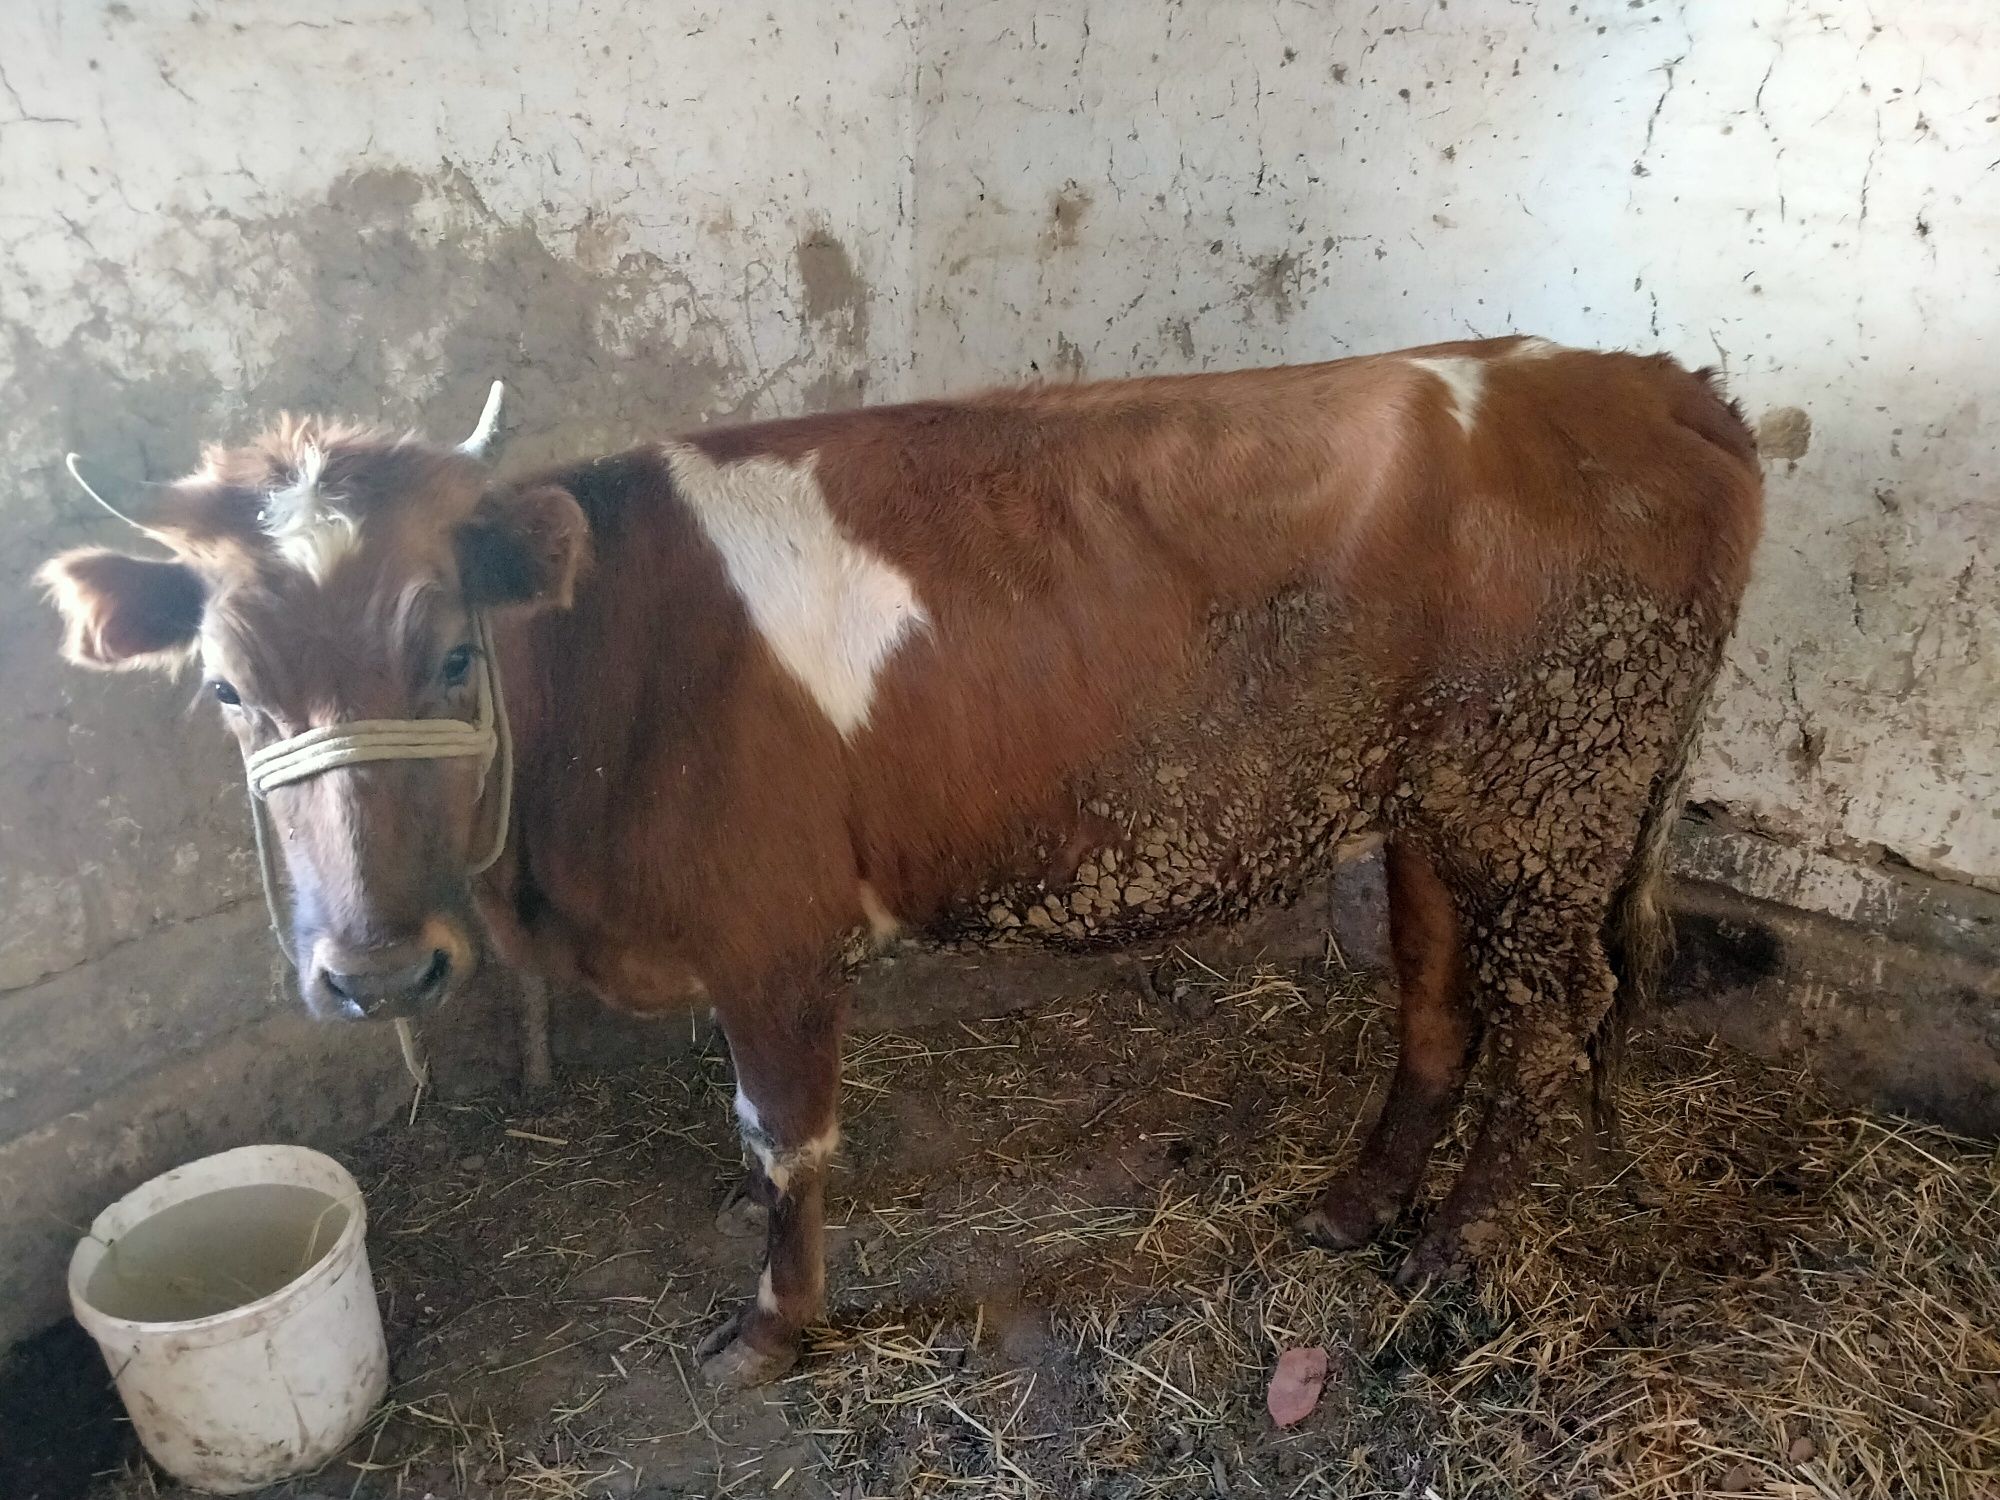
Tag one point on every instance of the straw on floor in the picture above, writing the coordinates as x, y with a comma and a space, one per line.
1065, 1268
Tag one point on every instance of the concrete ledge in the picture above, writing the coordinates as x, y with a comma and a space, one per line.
284, 1079
1893, 900
69, 1040
1882, 980
1884, 1021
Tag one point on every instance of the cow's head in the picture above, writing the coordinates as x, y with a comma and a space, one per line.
321, 575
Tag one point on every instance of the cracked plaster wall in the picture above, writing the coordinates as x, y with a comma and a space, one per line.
692, 212
1807, 195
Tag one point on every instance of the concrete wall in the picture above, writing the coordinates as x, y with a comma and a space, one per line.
693, 212
207, 213
1803, 194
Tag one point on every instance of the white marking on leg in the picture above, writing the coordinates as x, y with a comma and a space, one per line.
780, 1162
881, 921
819, 1150
758, 1140
1464, 378
767, 1295
832, 612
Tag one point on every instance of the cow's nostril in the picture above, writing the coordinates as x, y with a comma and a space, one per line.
374, 992
435, 975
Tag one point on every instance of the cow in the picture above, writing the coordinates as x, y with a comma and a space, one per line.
1073, 664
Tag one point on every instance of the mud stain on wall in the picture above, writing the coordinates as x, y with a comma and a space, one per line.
1067, 211
1274, 284
836, 299
1784, 433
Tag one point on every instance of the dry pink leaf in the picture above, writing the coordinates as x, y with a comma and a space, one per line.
1296, 1384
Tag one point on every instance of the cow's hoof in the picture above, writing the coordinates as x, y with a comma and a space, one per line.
743, 1218
731, 1362
1439, 1256
1340, 1222
1418, 1270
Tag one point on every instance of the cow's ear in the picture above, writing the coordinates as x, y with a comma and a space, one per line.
523, 547
122, 611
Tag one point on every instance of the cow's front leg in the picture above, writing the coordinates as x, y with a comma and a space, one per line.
787, 1079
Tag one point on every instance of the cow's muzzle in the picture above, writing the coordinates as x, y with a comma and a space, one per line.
385, 984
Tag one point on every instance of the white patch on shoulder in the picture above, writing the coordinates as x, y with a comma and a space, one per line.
1464, 378
1533, 347
308, 527
831, 611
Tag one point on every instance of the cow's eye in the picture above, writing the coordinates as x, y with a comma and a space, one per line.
457, 666
225, 693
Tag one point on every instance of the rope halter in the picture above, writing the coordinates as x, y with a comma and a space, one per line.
359, 741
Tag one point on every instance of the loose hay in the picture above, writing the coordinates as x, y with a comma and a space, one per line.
1780, 1296
1069, 1270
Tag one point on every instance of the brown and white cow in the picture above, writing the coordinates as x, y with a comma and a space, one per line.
1069, 663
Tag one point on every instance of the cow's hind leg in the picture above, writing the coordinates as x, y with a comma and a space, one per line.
1545, 984
787, 1078
1437, 1034
1546, 821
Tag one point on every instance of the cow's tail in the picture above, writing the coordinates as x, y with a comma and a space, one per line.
1638, 932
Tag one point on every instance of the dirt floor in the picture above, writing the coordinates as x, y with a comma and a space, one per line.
1064, 1267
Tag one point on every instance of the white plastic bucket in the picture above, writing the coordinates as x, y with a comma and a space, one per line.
233, 1302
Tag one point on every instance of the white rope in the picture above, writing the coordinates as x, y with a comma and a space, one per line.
359, 741
414, 1062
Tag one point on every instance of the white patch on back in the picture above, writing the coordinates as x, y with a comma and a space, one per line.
1464, 378
831, 611
1534, 348
307, 527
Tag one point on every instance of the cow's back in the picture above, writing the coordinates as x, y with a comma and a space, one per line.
1174, 619
1125, 653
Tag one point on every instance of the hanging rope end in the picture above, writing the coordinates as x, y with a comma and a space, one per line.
414, 1062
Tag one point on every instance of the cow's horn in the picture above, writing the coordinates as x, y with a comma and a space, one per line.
479, 445
72, 462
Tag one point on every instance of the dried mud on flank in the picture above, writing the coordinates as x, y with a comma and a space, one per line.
1065, 1268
